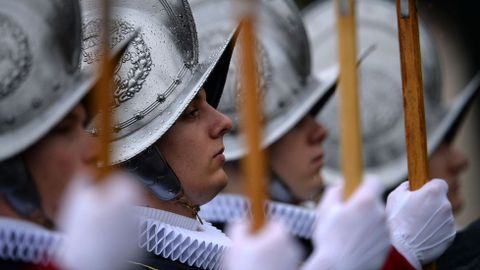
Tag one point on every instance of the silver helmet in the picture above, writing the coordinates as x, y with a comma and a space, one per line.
158, 76
40, 82
39, 77
380, 88
288, 88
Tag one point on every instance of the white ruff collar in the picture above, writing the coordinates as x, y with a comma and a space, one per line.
183, 239
228, 207
27, 242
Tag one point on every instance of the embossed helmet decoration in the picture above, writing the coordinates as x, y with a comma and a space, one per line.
381, 89
158, 76
288, 88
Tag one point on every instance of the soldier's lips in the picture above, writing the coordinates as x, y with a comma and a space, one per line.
318, 160
219, 155
454, 187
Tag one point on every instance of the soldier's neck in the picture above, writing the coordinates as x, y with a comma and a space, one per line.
170, 206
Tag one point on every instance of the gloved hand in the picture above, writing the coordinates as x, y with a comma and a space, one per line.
273, 248
421, 222
351, 234
98, 228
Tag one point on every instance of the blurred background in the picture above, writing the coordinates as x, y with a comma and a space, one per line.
456, 29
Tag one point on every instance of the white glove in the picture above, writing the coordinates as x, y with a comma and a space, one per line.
421, 222
352, 234
97, 224
273, 248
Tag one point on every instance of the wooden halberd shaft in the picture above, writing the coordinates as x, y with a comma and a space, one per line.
412, 85
350, 125
254, 164
103, 94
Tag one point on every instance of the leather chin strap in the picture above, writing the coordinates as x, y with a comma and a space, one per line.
20, 192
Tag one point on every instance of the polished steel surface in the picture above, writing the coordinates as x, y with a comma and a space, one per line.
159, 74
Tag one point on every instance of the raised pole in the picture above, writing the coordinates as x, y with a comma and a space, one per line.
254, 164
412, 85
350, 125
103, 94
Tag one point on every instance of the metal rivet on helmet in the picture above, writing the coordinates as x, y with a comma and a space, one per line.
9, 120
161, 98
36, 103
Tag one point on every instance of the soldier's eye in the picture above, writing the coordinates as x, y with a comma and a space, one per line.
191, 112
63, 127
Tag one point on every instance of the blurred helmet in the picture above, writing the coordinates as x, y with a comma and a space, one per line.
39, 77
40, 83
287, 86
380, 89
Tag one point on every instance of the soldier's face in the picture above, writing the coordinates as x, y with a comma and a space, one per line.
448, 163
66, 150
298, 157
193, 147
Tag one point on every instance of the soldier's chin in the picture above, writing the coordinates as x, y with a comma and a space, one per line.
218, 183
313, 186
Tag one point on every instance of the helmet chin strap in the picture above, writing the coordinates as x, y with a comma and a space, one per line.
20, 192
